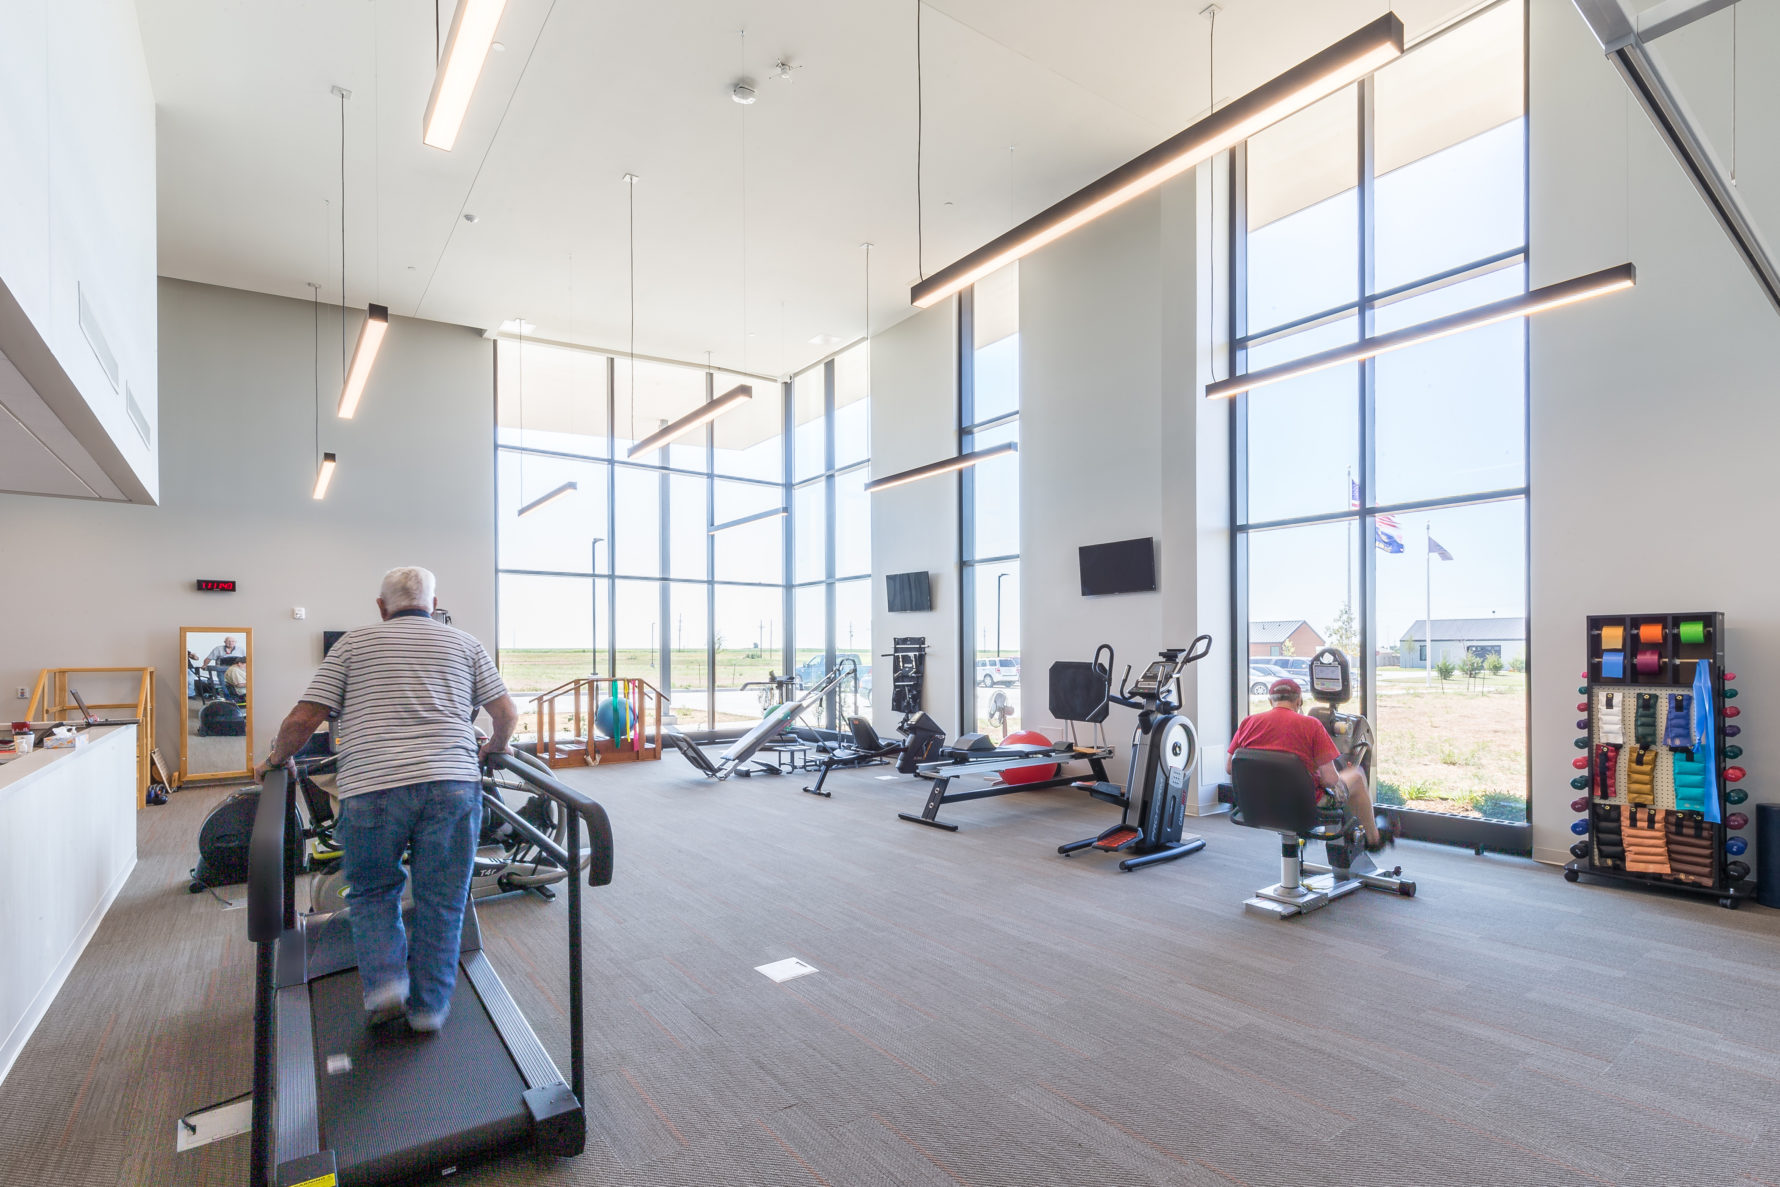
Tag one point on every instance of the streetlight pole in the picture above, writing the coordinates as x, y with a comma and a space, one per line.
999, 578
593, 600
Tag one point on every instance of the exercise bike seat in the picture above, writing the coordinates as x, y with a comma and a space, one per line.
1275, 792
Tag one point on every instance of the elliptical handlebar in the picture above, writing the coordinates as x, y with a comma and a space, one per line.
534, 774
268, 860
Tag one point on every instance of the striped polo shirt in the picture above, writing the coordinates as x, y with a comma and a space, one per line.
407, 690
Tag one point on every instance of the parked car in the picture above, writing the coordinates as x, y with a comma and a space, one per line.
814, 668
1295, 666
995, 670
1260, 675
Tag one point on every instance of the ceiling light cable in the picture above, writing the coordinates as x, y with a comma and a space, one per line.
1734, 8
920, 113
630, 183
342, 92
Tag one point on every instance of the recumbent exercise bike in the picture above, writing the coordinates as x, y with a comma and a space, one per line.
1274, 791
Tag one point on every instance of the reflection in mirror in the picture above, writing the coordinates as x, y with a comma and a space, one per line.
218, 735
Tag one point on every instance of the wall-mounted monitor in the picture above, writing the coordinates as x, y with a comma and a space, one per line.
328, 639
1124, 566
910, 592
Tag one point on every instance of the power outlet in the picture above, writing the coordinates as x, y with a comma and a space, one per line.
22, 693
298, 613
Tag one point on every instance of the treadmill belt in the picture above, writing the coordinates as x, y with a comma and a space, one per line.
411, 1103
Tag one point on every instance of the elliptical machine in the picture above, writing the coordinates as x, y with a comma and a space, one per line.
1164, 751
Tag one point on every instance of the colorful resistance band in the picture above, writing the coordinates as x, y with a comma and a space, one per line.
1693, 632
1612, 638
1612, 665
1650, 632
1650, 661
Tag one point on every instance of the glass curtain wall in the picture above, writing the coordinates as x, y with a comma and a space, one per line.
638, 568
989, 415
829, 427
1381, 506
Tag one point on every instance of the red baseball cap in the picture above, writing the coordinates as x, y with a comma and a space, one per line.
1283, 684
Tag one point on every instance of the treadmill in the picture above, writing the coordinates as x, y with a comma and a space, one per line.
338, 1105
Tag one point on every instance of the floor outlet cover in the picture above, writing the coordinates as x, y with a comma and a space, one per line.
785, 970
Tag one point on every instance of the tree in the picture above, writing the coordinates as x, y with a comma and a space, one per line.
1445, 669
1494, 664
1286, 648
1343, 633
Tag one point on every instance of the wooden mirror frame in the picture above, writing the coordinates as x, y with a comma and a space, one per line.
186, 775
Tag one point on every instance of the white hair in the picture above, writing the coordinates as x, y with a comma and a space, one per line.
408, 588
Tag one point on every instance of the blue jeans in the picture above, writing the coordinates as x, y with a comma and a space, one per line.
438, 824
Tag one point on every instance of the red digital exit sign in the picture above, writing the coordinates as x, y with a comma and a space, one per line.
206, 585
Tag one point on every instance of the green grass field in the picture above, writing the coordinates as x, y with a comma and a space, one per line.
535, 671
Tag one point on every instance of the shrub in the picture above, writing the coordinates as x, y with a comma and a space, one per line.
1494, 664
1388, 793
1517, 664
1500, 805
1445, 669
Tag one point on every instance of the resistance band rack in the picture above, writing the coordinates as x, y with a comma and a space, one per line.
1659, 783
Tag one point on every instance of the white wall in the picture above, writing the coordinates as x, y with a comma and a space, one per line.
73, 819
77, 216
111, 584
1658, 399
914, 420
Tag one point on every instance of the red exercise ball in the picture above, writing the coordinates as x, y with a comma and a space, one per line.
1033, 774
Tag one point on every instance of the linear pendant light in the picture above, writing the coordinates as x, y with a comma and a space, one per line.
364, 354
324, 474
1353, 57
466, 49
942, 467
549, 497
703, 414
1567, 292
775, 513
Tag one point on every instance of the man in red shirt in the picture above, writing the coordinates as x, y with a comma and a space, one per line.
1285, 729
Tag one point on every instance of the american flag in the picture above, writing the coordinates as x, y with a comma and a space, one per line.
1387, 535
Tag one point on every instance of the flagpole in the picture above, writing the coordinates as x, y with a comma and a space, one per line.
1347, 590
1428, 602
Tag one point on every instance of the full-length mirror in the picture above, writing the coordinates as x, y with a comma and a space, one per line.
217, 740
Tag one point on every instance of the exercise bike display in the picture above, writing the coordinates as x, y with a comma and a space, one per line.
1273, 791
1164, 753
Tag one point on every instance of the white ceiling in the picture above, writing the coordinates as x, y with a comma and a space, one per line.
1025, 100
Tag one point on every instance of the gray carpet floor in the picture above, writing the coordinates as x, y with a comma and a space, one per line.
990, 1013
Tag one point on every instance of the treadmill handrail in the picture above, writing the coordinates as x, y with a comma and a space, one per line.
266, 860
599, 828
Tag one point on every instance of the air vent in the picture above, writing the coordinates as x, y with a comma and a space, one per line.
136, 415
89, 325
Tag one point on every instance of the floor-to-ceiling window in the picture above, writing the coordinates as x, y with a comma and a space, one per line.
989, 536
669, 566
1381, 506
830, 571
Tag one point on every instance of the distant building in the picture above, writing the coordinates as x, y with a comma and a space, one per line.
1455, 638
1271, 637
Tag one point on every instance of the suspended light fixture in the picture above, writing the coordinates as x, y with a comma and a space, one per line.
942, 467
775, 513
703, 414
550, 497
466, 49
364, 355
324, 474
354, 375
1348, 60
1568, 292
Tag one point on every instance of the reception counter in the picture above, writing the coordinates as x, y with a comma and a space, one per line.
69, 819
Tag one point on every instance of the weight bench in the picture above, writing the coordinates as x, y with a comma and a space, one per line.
1274, 792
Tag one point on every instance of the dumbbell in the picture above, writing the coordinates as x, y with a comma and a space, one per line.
1580, 783
1579, 849
1582, 723
1733, 752
1730, 694
1736, 871
1735, 795
1580, 764
1736, 820
1734, 774
1733, 711
1579, 827
1731, 731
1583, 690
1736, 846
1580, 804
1582, 743
1582, 706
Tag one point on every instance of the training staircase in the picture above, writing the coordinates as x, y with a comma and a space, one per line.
566, 721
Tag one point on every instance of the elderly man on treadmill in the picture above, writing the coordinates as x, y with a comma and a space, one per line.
407, 690
1283, 727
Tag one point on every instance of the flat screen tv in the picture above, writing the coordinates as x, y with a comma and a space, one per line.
1124, 566
328, 639
910, 592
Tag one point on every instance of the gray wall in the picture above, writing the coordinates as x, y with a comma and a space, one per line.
109, 584
914, 420
1681, 367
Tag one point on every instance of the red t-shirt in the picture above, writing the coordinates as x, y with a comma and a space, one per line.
1281, 728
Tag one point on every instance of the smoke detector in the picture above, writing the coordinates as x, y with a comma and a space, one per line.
742, 93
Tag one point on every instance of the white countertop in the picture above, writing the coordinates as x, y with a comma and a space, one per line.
21, 770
